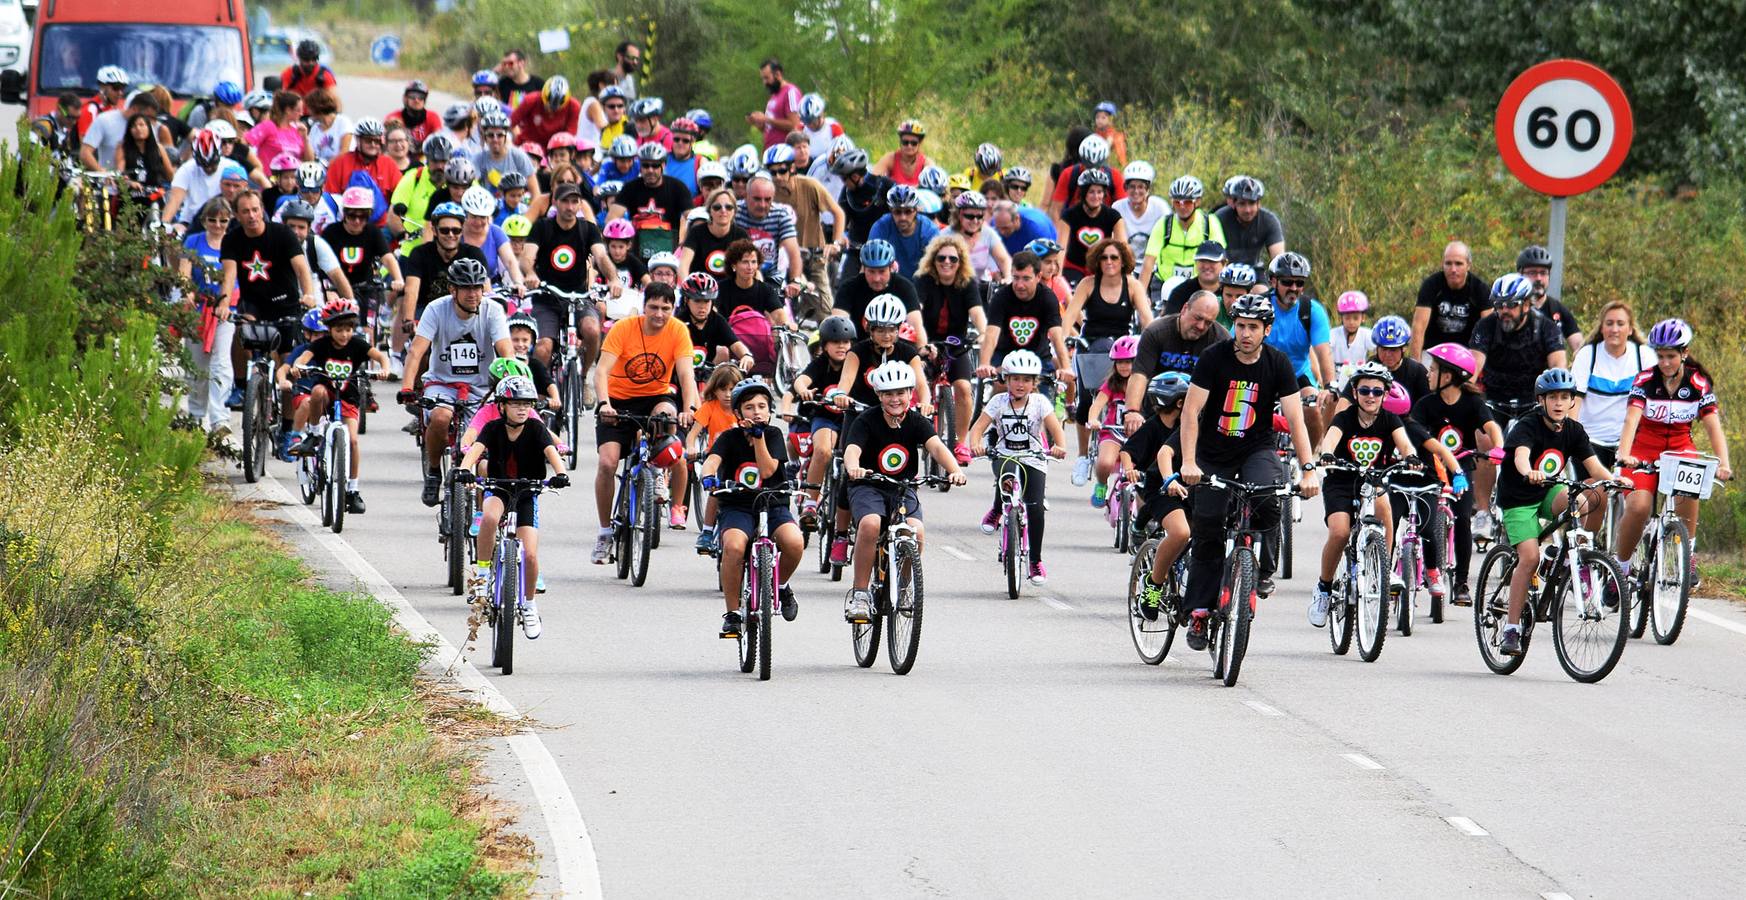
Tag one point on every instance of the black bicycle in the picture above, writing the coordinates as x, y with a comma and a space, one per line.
455, 511
1228, 635
263, 404
897, 581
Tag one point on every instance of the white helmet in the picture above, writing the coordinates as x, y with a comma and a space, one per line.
1094, 150
477, 201
1139, 170
891, 376
663, 259
221, 129
709, 168
1187, 187
1022, 362
113, 75
886, 310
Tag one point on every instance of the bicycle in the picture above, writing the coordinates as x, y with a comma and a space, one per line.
324, 472
1361, 590
1015, 531
263, 405
1293, 512
1575, 580
1507, 411
1409, 551
508, 561
1661, 575
1153, 637
945, 400
458, 503
896, 584
831, 485
93, 202
1119, 503
1228, 640
567, 368
792, 355
758, 583
635, 509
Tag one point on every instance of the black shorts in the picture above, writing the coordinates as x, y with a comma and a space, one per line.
623, 432
1608, 456
1339, 495
527, 508
958, 368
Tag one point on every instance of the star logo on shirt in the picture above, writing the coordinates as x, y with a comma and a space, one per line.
259, 269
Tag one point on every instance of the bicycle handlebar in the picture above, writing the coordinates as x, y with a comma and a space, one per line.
1282, 489
917, 481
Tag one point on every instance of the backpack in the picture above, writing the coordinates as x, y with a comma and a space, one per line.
753, 329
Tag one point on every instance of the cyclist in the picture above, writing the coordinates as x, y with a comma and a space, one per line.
1049, 276
620, 236
862, 200
1024, 316
614, 102
1235, 280
1026, 423
1087, 223
1456, 416
458, 128
709, 232
211, 377
1139, 213
426, 267
815, 213
1303, 334
311, 176
885, 315
283, 182
637, 363
298, 216
557, 251
468, 333
359, 246
1176, 240
547, 112
624, 167
477, 230
1351, 343
1157, 445
820, 130
515, 445
657, 203
499, 157
951, 308
836, 336
341, 354
1232, 437
904, 165
1535, 264
1539, 446
771, 226
1070, 184
1666, 402
1252, 232
1102, 311
1171, 344
713, 341
989, 259
877, 277
365, 158
754, 456
308, 73
1107, 409
420, 123
264, 261
985, 165
890, 439
704, 122
195, 182
1519, 343
1451, 302
418, 191
58, 129
523, 332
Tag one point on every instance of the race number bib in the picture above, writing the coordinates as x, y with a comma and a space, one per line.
464, 356
1015, 431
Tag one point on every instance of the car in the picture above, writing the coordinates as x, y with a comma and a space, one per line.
274, 47
15, 35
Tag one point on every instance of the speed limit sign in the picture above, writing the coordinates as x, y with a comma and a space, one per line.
1563, 127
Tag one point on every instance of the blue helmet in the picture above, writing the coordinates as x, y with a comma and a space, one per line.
484, 77
1165, 390
1554, 380
447, 209
902, 196
877, 254
312, 321
1391, 331
1511, 290
1043, 248
1670, 334
227, 93
701, 118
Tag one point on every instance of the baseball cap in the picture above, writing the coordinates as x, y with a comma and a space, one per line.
232, 171
1210, 250
567, 189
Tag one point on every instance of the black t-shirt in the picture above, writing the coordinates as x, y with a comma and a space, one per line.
1104, 320
427, 264
542, 378
854, 294
893, 452
563, 253
1178, 296
1548, 451
864, 205
1560, 315
1249, 243
1453, 312
1456, 426
708, 252
1369, 446
506, 88
822, 374
263, 270
946, 310
1024, 324
357, 253
1513, 359
1411, 375
523, 456
1085, 230
631, 267
872, 357
705, 338
761, 297
656, 212
1237, 420
739, 464
1163, 349
1142, 447
340, 363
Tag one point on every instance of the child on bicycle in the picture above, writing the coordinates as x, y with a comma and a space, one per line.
514, 445
1025, 421
752, 453
1539, 447
1157, 445
1107, 409
836, 335
715, 415
524, 332
1456, 415
884, 315
1438, 467
338, 358
299, 386
501, 368
1361, 435
889, 437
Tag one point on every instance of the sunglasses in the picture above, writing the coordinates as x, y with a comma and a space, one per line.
1111, 257
1371, 392
722, 207
615, 106
971, 217
946, 259
449, 232
681, 139
1292, 282
910, 143
780, 170
360, 216
218, 220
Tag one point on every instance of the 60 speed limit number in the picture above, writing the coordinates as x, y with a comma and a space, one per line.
1563, 127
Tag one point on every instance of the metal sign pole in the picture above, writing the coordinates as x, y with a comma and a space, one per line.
1555, 244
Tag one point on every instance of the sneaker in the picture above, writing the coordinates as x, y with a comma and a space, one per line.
1434, 582
809, 515
839, 551
218, 434
1081, 471
706, 542
962, 453
1482, 523
663, 493
1264, 587
1318, 608
730, 625
479, 585
991, 521
676, 517
530, 619
859, 607
1463, 595
1197, 630
433, 489
234, 401
790, 606
396, 366
602, 550
1511, 644
412, 426
354, 503
1151, 595
1039, 575
284, 453
1396, 585
1100, 496
539, 584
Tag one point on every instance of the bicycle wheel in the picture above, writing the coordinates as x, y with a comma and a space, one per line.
765, 568
507, 597
904, 623
1672, 586
1408, 566
1238, 613
1285, 543
1011, 553
572, 398
1152, 637
460, 509
324, 469
1340, 606
338, 470
864, 636
1642, 584
1588, 634
1440, 532
1491, 607
945, 415
748, 642
642, 541
623, 533
1372, 613
1122, 518
256, 427
308, 480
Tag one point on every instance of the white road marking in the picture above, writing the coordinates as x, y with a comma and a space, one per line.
1717, 621
578, 868
958, 553
1053, 603
1362, 761
1262, 708
1467, 826
1555, 895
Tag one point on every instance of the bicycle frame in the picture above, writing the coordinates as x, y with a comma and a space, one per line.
508, 583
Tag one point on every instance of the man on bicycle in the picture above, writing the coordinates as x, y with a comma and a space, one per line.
635, 376
877, 277
1231, 436
468, 333
1519, 343
862, 200
753, 455
1302, 330
558, 251
265, 262
1024, 315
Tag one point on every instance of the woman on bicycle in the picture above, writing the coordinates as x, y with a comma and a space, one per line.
1107, 409
1361, 436
141, 159
1605, 368
951, 303
1104, 307
836, 335
1665, 403
752, 454
1026, 419
1456, 415
715, 415
1089, 223
339, 356
1157, 446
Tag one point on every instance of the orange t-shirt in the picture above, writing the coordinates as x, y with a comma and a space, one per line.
643, 366
715, 419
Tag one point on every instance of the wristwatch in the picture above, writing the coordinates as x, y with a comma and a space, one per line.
1308, 466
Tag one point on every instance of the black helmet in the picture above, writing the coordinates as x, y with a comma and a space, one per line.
1290, 265
1534, 255
1098, 176
468, 272
747, 389
437, 149
1165, 390
849, 163
836, 328
308, 50
1253, 306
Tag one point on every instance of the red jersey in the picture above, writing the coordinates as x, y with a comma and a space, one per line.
89, 112
1669, 415
382, 169
534, 122
293, 79
431, 125
1067, 190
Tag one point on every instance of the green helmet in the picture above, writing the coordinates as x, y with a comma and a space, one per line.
504, 366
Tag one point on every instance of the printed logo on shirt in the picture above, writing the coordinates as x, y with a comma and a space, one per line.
259, 269
351, 256
1237, 413
893, 459
645, 368
1023, 329
696, 356
1550, 463
747, 476
1450, 437
563, 257
337, 369
1364, 450
1089, 235
715, 261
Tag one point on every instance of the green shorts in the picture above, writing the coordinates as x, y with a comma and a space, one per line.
1523, 523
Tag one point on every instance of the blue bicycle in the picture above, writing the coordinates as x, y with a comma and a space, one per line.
508, 562
636, 515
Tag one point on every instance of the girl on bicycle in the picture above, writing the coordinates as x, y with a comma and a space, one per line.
1440, 467
1361, 435
752, 453
1456, 416
1666, 402
514, 445
343, 353
836, 335
1027, 424
715, 415
1157, 446
1107, 409
1351, 342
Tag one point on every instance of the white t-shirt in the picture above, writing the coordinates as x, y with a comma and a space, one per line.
821, 140
105, 135
586, 131
1604, 381
981, 249
833, 184
1017, 430
1140, 227
1349, 352
325, 141
200, 186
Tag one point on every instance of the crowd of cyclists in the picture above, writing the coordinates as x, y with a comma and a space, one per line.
946, 313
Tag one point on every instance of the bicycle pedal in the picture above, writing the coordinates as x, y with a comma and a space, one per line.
730, 635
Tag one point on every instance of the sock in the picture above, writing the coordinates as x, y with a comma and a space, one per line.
352, 485
606, 531
1322, 584
1515, 627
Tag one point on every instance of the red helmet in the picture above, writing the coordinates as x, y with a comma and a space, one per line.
336, 311
666, 451
206, 149
561, 139
534, 150
700, 286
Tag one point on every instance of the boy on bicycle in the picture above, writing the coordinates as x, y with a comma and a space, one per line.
753, 454
516, 445
1539, 447
890, 436
1025, 418
338, 358
1157, 445
836, 335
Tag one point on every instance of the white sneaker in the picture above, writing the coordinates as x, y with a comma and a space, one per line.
1081, 471
602, 550
1318, 608
859, 607
530, 619
662, 492
396, 366
1482, 522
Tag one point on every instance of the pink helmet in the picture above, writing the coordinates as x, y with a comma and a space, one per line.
1125, 348
1455, 358
620, 230
1397, 401
1353, 302
285, 162
561, 139
357, 198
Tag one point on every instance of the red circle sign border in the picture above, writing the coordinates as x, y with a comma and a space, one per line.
1554, 70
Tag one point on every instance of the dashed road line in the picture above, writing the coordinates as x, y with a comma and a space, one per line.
1555, 895
1362, 761
1053, 603
1466, 826
1262, 708
958, 553
1717, 621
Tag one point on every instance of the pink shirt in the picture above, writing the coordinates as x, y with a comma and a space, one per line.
270, 140
783, 104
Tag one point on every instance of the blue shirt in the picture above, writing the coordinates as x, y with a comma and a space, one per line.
1287, 333
207, 267
684, 172
909, 249
1033, 224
